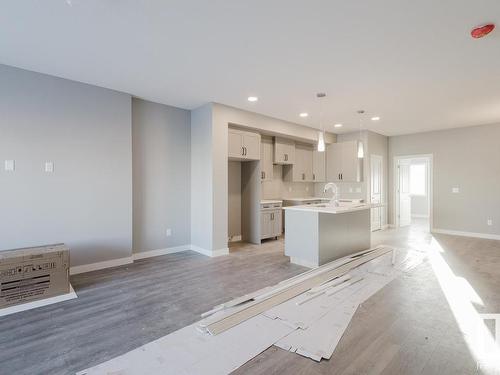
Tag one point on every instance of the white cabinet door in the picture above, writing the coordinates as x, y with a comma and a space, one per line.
276, 223
308, 164
284, 151
251, 146
333, 162
266, 159
319, 171
235, 144
350, 171
265, 224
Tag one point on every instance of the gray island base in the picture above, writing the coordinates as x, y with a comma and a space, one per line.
317, 235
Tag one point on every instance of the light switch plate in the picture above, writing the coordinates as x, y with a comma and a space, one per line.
490, 222
10, 165
455, 190
169, 232
49, 167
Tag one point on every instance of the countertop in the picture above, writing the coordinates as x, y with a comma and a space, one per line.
270, 201
306, 199
327, 209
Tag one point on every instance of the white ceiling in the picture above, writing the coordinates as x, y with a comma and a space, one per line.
411, 62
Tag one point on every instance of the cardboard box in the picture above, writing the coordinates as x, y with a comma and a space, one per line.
33, 273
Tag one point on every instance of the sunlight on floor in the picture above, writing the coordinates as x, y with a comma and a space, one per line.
461, 297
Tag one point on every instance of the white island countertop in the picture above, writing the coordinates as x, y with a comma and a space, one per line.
329, 209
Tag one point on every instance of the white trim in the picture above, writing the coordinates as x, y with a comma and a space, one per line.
100, 265
395, 184
145, 254
159, 252
487, 236
417, 216
303, 263
43, 302
210, 253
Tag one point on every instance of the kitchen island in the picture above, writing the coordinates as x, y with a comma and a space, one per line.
318, 234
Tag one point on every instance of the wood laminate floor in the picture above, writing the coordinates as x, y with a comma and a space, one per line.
412, 326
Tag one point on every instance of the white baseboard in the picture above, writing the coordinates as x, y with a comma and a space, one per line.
159, 252
210, 253
43, 302
487, 236
100, 265
145, 254
416, 216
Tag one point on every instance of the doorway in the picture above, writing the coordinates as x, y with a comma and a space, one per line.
376, 178
413, 191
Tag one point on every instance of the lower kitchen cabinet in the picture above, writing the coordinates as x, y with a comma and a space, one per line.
270, 220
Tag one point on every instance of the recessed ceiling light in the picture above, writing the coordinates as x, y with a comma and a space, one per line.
375, 118
304, 114
252, 98
338, 125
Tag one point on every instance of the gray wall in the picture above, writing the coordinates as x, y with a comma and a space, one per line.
161, 147
468, 158
86, 132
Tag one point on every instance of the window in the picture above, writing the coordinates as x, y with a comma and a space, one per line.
418, 179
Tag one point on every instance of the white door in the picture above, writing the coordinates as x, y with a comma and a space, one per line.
376, 191
404, 193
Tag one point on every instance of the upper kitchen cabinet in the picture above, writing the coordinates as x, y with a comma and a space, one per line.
284, 151
343, 164
319, 165
266, 159
302, 169
243, 145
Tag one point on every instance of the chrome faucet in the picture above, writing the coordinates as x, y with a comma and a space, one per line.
333, 187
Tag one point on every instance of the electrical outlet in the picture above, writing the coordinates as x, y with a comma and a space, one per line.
49, 166
455, 190
169, 232
10, 165
490, 222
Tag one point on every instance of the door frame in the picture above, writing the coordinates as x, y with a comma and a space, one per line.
382, 187
395, 184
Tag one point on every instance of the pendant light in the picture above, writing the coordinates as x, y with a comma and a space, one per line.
361, 151
321, 133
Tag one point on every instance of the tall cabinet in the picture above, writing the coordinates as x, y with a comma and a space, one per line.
266, 159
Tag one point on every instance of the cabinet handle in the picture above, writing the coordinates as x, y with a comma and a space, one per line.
286, 157
314, 176
272, 216
341, 176
264, 174
243, 151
